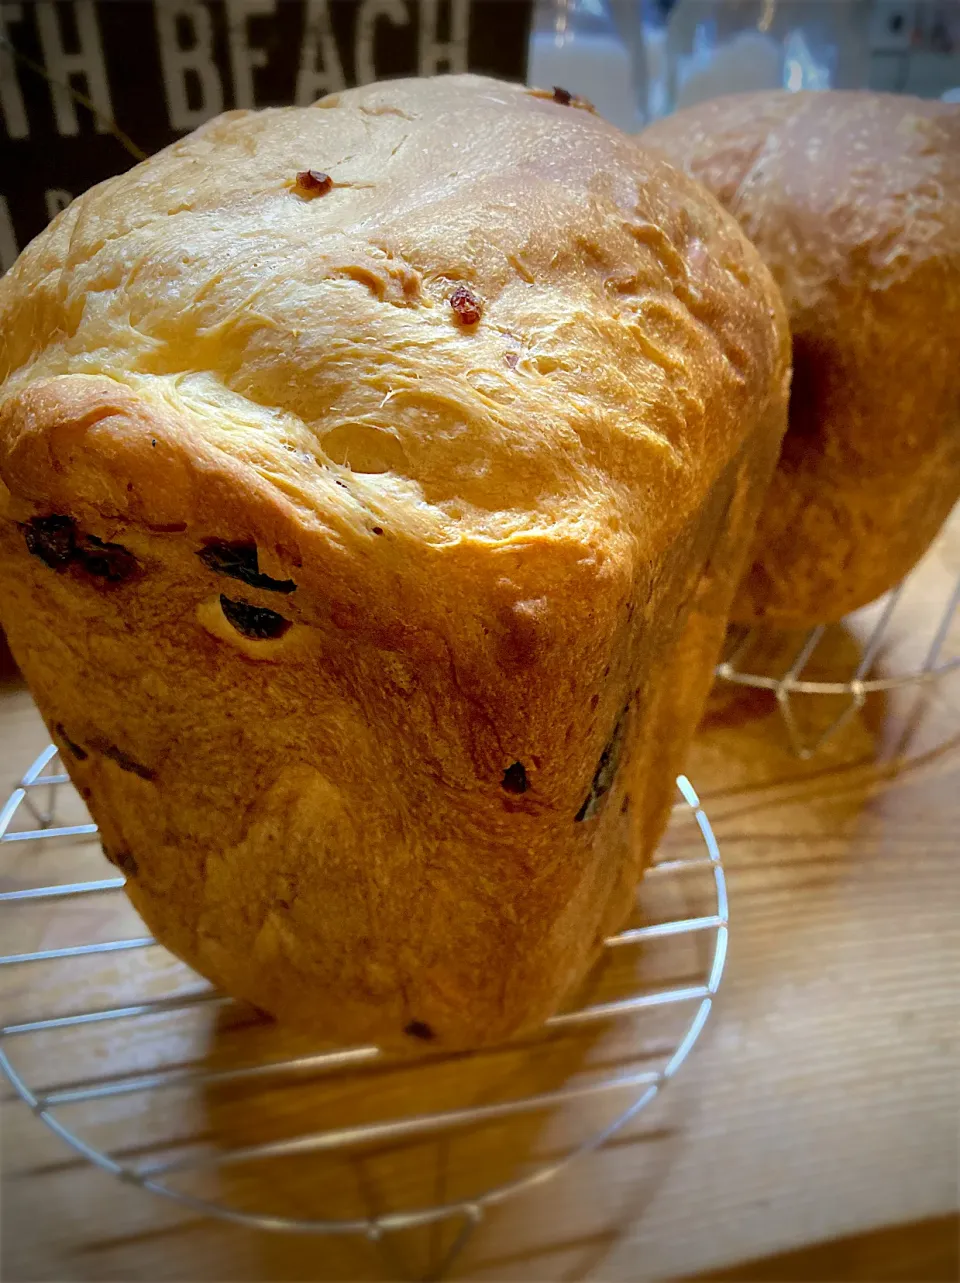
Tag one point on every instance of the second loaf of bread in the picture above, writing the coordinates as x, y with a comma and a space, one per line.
853, 200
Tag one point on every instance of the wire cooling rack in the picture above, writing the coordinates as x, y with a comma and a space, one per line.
885, 631
606, 1057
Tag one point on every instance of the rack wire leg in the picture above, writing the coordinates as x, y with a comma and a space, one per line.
470, 1222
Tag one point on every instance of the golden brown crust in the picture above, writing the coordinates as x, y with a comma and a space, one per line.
465, 564
853, 199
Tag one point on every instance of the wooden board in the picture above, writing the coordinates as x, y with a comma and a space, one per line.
813, 1133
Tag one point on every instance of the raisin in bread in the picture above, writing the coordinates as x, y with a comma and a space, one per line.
374, 481
853, 200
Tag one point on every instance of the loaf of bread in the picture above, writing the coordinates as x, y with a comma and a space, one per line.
374, 481
853, 200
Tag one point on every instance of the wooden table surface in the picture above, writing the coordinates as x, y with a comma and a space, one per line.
813, 1133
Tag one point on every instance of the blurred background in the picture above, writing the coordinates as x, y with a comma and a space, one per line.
89, 86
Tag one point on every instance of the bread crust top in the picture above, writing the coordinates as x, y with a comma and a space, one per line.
304, 347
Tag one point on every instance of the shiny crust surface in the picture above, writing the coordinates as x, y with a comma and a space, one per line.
373, 632
853, 200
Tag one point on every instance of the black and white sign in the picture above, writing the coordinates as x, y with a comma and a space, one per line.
154, 69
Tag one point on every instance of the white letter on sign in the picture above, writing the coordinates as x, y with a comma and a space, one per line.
317, 78
394, 10
243, 58
11, 99
176, 62
436, 56
60, 66
8, 241
57, 199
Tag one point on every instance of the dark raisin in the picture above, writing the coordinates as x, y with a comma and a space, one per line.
566, 99
241, 561
122, 759
515, 778
254, 621
466, 305
79, 753
109, 561
123, 860
606, 770
378, 530
625, 804
313, 182
53, 539
419, 1029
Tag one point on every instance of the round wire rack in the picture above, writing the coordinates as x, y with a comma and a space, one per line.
156, 1029
877, 649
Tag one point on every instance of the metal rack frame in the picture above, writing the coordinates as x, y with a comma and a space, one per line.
38, 796
856, 685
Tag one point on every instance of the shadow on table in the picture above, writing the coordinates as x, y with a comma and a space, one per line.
921, 1252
